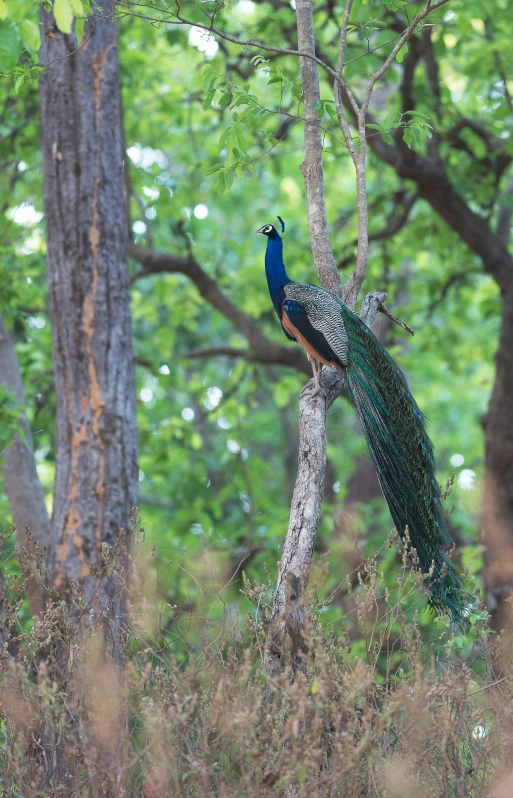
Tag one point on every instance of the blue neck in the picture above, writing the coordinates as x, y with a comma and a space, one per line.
275, 271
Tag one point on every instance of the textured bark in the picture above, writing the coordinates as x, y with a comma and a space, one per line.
22, 486
86, 227
285, 633
311, 168
497, 513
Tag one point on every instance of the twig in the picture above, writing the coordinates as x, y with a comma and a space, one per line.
382, 309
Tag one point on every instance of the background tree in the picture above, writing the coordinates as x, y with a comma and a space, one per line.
92, 353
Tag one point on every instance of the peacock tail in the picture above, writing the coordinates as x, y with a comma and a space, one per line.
402, 454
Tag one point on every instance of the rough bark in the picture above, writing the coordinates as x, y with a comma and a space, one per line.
89, 303
22, 487
311, 168
497, 512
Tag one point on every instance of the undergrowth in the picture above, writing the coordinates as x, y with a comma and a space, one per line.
373, 709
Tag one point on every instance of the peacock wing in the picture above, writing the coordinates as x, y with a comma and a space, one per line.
316, 314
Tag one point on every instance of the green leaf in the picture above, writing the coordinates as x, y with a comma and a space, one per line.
3, 9
79, 28
387, 137
29, 32
221, 182
408, 136
9, 48
373, 126
415, 114
392, 120
209, 79
63, 13
297, 91
77, 6
224, 139
402, 52
241, 141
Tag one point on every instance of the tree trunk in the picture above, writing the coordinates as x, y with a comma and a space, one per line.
22, 486
89, 303
497, 514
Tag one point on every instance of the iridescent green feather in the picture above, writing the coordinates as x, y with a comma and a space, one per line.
403, 457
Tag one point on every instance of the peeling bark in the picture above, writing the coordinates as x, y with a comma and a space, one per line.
86, 227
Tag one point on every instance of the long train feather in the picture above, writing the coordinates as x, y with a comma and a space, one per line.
402, 453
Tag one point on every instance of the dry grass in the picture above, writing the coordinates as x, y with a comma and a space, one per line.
373, 710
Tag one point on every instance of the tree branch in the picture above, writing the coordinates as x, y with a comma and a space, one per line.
394, 224
493, 143
435, 187
505, 214
177, 19
270, 355
312, 168
454, 279
430, 7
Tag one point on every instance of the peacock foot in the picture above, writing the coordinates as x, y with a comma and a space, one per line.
311, 389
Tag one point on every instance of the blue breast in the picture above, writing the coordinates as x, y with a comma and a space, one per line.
275, 272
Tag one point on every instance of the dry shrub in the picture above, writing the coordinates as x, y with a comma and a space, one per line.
373, 710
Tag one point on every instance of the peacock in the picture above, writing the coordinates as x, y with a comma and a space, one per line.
392, 423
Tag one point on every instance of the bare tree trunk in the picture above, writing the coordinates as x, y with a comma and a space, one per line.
89, 303
96, 446
22, 486
311, 168
497, 514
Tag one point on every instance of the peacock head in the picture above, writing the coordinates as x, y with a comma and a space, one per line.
270, 230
